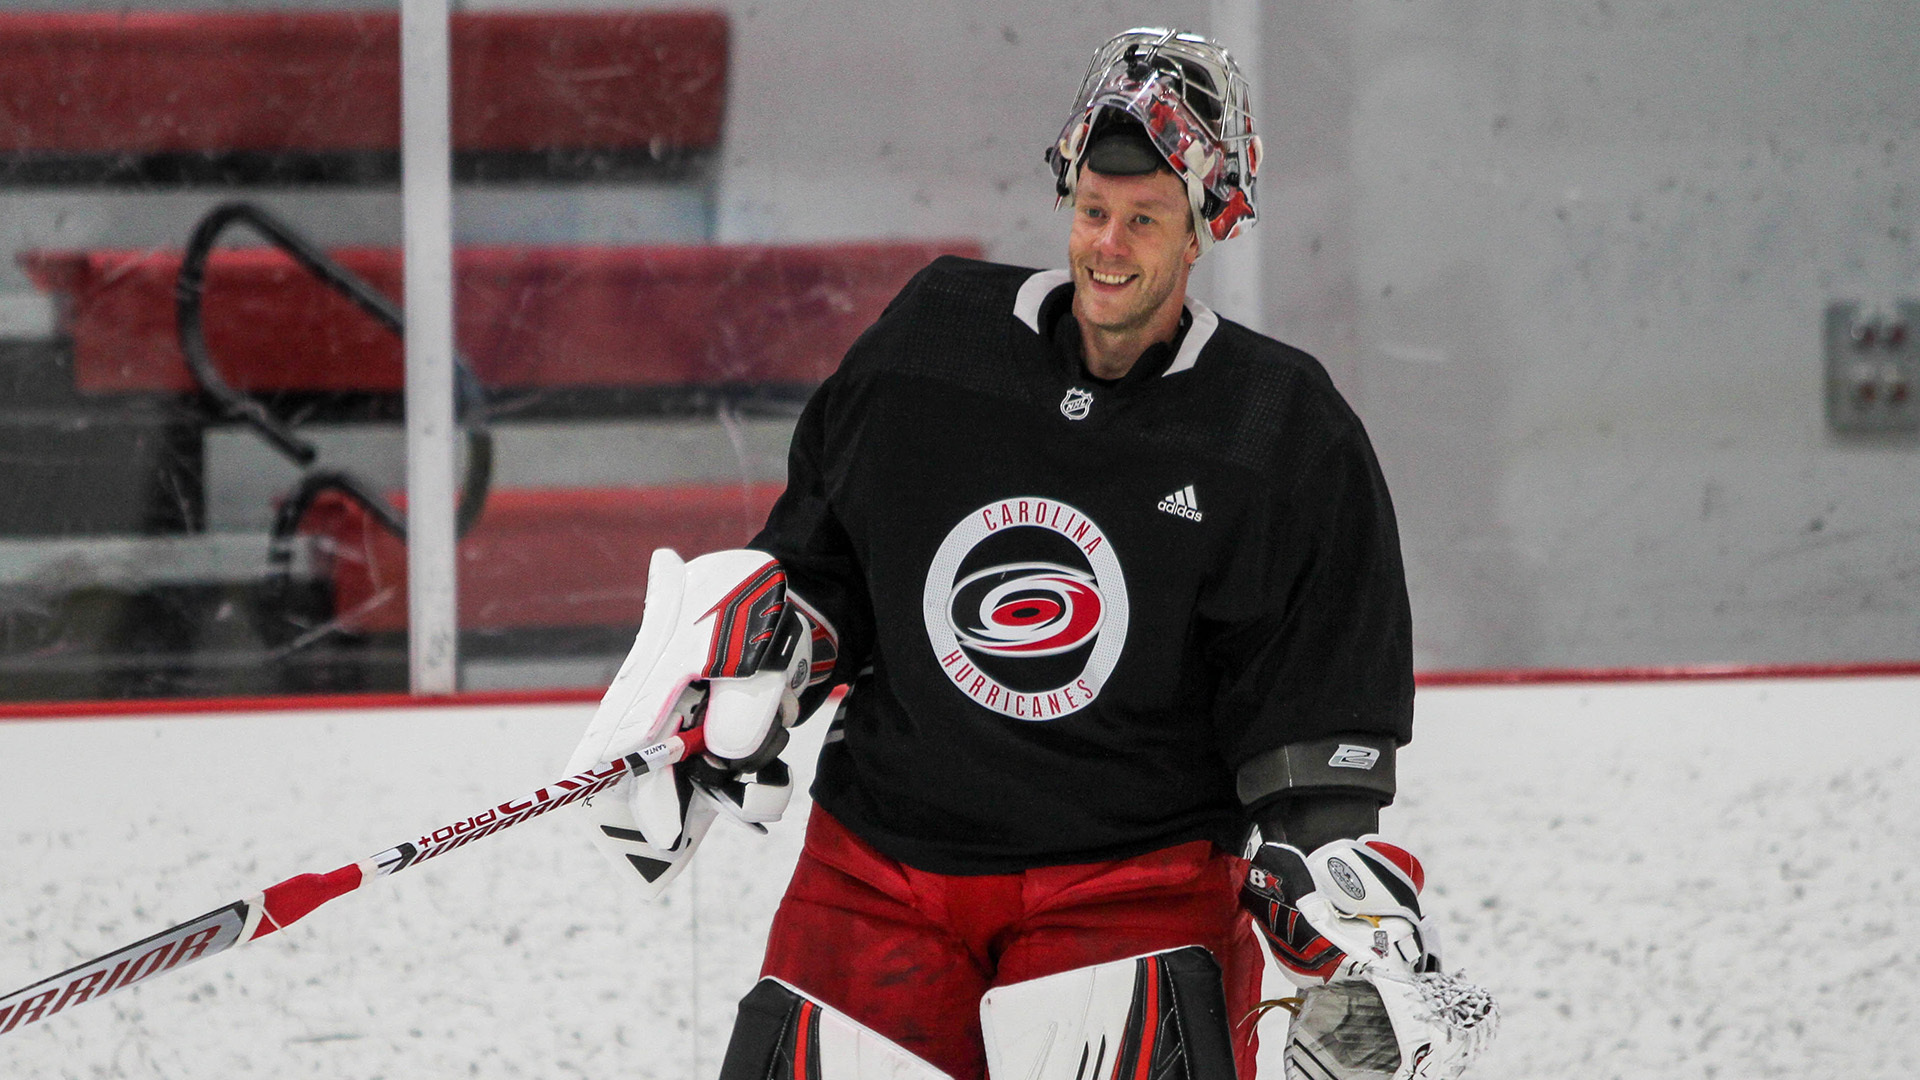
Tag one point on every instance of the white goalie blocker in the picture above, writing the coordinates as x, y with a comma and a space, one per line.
723, 647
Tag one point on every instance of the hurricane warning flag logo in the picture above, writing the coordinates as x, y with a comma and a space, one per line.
1026, 608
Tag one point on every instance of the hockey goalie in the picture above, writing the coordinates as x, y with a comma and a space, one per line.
1112, 583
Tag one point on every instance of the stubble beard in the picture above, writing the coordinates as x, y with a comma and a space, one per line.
1132, 317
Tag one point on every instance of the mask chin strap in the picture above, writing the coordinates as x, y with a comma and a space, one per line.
1070, 147
1197, 200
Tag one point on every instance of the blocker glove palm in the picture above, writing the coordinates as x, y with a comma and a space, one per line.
723, 647
1345, 925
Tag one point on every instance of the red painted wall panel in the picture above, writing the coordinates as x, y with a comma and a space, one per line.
540, 557
525, 317
153, 82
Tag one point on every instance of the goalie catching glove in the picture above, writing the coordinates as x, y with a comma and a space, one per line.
1345, 925
723, 647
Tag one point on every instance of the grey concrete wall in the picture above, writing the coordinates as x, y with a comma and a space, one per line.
1568, 259
1590, 248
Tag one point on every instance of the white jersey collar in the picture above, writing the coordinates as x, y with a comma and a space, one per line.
1034, 292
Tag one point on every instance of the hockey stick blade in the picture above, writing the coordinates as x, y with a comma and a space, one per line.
280, 905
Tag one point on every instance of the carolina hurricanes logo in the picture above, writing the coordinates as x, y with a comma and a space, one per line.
1031, 609
1026, 608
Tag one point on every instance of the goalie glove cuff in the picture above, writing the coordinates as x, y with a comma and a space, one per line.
747, 716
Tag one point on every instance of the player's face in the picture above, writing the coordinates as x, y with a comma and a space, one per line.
1130, 250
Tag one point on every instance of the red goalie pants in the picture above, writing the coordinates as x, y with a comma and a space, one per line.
909, 953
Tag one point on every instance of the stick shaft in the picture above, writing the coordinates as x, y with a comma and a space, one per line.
281, 904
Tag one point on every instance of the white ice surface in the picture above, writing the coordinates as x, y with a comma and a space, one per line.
1659, 880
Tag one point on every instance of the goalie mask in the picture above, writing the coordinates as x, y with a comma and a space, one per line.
1176, 95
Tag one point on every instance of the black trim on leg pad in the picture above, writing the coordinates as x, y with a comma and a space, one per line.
1191, 983
776, 1036
1200, 999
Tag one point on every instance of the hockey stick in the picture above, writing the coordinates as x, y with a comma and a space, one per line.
281, 905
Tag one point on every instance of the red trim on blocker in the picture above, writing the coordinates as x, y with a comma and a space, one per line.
739, 615
81, 710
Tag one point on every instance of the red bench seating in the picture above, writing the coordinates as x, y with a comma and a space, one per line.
525, 317
110, 91
77, 85
538, 558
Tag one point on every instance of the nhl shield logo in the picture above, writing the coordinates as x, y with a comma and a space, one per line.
1026, 608
1077, 404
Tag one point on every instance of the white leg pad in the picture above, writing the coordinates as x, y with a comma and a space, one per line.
1060, 1027
1095, 1022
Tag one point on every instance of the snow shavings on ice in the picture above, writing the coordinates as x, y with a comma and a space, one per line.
1659, 880
1679, 880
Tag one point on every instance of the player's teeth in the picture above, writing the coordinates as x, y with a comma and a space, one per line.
1109, 279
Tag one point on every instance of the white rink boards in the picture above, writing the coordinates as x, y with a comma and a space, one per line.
1658, 879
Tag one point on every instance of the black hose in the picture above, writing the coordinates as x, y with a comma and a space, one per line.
189, 289
189, 292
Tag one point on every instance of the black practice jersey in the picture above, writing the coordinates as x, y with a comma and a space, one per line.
1072, 608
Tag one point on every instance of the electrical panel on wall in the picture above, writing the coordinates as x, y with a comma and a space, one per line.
1873, 365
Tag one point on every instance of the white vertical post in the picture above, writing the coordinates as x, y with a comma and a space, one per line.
1238, 290
426, 174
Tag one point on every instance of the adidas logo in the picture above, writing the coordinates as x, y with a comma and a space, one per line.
1182, 503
